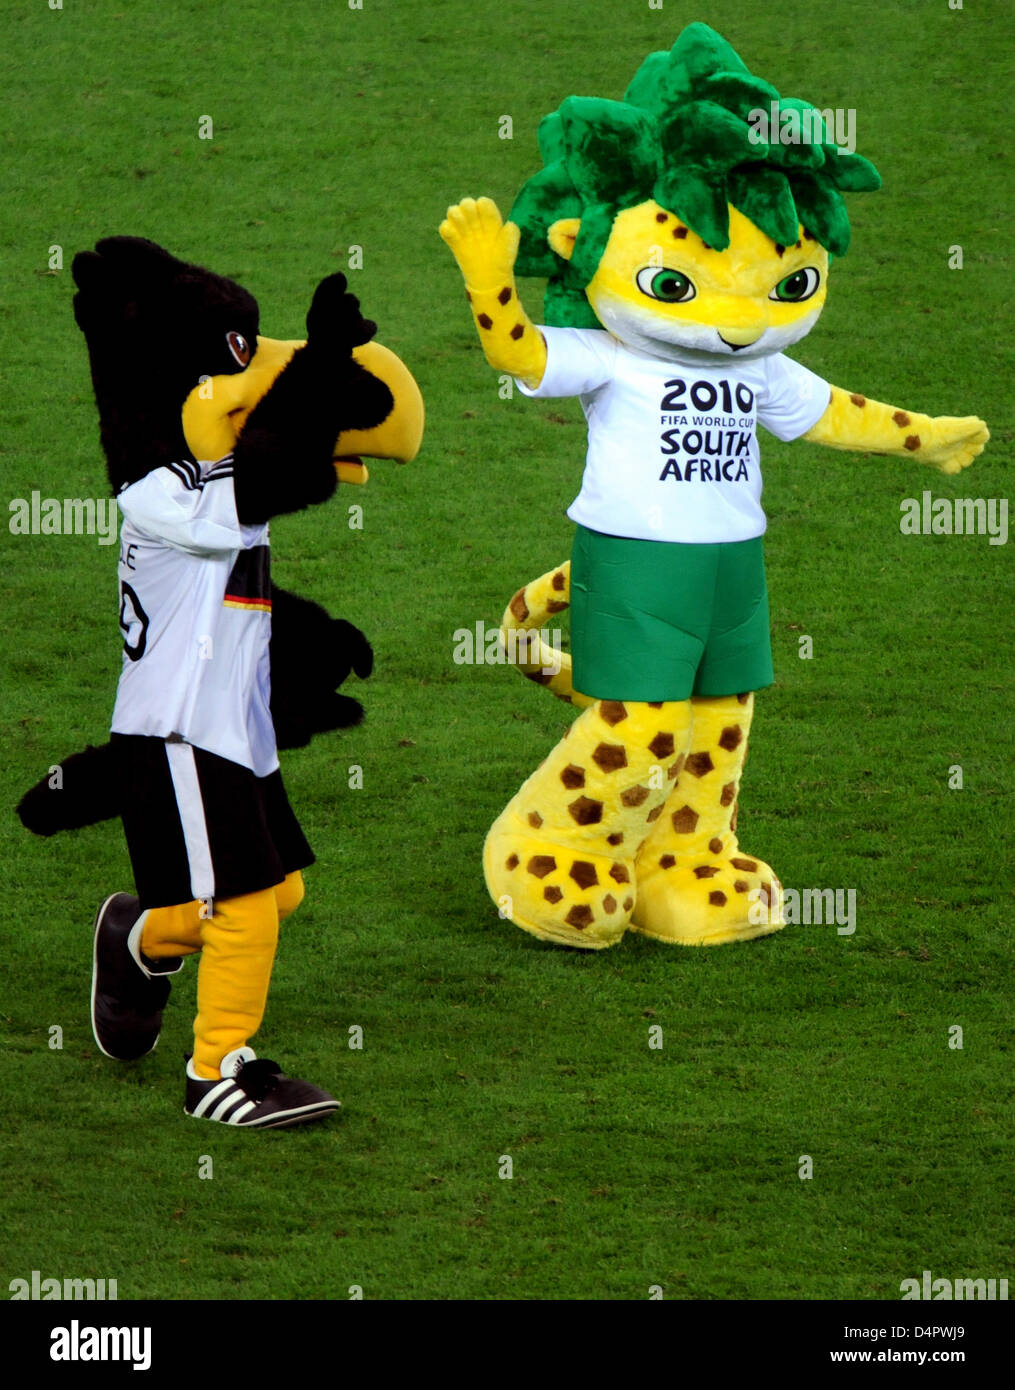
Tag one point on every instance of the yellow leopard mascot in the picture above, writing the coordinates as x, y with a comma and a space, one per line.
687, 243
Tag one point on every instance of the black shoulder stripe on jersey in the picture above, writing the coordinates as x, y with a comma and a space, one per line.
189, 466
184, 477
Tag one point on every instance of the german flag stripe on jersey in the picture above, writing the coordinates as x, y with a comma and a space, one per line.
249, 583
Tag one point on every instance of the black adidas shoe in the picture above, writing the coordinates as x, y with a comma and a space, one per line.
129, 991
254, 1092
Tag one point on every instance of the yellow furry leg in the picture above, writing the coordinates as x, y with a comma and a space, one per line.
289, 894
172, 931
695, 886
559, 860
176, 931
238, 952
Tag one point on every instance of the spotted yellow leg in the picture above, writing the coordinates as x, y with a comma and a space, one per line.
696, 887
559, 860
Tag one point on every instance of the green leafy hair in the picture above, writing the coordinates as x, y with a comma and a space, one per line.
681, 137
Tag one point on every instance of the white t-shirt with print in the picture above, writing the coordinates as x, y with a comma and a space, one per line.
195, 611
673, 449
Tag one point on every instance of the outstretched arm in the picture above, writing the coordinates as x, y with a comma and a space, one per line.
946, 442
485, 248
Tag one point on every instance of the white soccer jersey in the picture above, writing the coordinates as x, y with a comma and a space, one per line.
673, 449
195, 609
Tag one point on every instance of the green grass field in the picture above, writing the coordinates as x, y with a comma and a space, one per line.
632, 1167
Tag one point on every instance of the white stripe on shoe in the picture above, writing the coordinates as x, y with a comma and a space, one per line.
234, 1098
237, 1116
216, 1093
183, 770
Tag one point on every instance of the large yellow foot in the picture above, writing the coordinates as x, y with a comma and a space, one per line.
695, 886
709, 903
559, 860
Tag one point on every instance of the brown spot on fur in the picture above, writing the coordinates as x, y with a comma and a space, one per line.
518, 331
584, 873
742, 699
519, 607
780, 250
634, 796
717, 899
610, 756
504, 295
552, 895
667, 861
556, 605
540, 677
680, 233
468, 296
610, 904
748, 865
662, 745
912, 442
662, 216
730, 737
485, 321
901, 419
654, 704
733, 817
698, 764
558, 581
628, 904
541, 864
579, 917
512, 861
715, 845
585, 811
676, 769
741, 885
808, 236
705, 871
573, 776
619, 874
858, 400
685, 820
728, 795
613, 711
615, 839
655, 813
535, 819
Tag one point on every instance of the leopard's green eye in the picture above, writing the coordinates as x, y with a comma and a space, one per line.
797, 287
670, 286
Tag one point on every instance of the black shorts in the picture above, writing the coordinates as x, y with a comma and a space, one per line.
200, 826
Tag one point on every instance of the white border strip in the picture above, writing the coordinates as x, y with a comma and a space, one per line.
183, 770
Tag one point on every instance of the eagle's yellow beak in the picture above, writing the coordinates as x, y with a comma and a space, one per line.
217, 409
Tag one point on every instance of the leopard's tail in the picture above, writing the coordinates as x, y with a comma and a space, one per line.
524, 638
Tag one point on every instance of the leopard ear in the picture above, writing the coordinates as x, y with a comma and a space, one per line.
563, 234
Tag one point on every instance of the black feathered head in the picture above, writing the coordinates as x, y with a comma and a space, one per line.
154, 326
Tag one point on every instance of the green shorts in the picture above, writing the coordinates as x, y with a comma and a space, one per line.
657, 620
